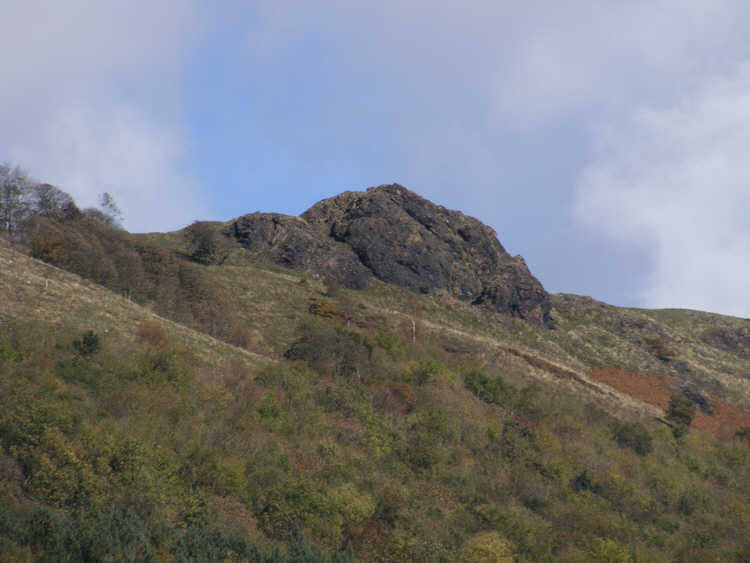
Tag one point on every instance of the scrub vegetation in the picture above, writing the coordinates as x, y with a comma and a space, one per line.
183, 407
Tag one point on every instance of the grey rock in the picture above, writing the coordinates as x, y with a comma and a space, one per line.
291, 242
400, 238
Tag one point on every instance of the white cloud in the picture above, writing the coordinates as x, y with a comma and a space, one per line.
119, 151
89, 101
677, 181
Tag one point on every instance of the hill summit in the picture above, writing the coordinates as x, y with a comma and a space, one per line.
392, 234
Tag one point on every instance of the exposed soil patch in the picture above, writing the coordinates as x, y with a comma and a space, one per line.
655, 389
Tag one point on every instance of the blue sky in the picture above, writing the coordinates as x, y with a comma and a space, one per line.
604, 141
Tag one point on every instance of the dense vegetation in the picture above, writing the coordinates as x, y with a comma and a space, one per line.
369, 430
360, 442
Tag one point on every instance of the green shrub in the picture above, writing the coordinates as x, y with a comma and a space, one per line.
270, 410
391, 343
691, 501
422, 451
330, 350
128, 459
518, 441
425, 370
681, 409
582, 482
743, 433
633, 435
88, 344
11, 354
680, 412
201, 470
203, 242
489, 390
288, 508
529, 401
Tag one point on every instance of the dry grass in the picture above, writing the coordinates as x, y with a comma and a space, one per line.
270, 303
656, 390
33, 290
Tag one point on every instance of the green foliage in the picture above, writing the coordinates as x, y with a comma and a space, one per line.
356, 440
117, 534
489, 390
391, 343
11, 354
680, 412
660, 348
633, 435
270, 410
518, 441
583, 482
743, 433
425, 370
330, 350
88, 344
203, 242
691, 501
289, 507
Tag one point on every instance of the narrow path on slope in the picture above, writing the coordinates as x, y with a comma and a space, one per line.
554, 370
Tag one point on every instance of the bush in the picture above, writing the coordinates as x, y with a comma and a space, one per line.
203, 243
330, 350
425, 370
582, 482
489, 390
633, 435
325, 309
391, 343
659, 348
488, 546
743, 433
680, 412
288, 507
88, 344
518, 441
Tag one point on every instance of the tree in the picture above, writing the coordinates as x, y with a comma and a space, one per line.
680, 412
108, 213
633, 435
49, 200
202, 242
14, 198
111, 209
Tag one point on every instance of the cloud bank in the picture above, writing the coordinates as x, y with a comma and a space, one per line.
676, 180
88, 102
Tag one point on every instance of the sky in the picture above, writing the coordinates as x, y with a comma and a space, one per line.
604, 141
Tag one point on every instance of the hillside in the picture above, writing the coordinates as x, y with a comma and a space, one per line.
276, 387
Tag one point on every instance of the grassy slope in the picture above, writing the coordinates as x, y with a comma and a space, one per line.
680, 343
257, 444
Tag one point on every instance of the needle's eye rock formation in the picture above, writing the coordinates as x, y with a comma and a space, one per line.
391, 233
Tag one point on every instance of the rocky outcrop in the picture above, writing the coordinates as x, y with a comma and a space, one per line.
401, 238
293, 243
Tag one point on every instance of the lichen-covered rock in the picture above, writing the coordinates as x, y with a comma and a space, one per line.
400, 238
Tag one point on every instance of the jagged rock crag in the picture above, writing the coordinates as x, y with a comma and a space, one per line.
395, 235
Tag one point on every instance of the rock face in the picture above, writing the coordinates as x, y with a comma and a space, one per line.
401, 238
293, 243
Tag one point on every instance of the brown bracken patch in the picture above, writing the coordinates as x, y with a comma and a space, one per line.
655, 389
